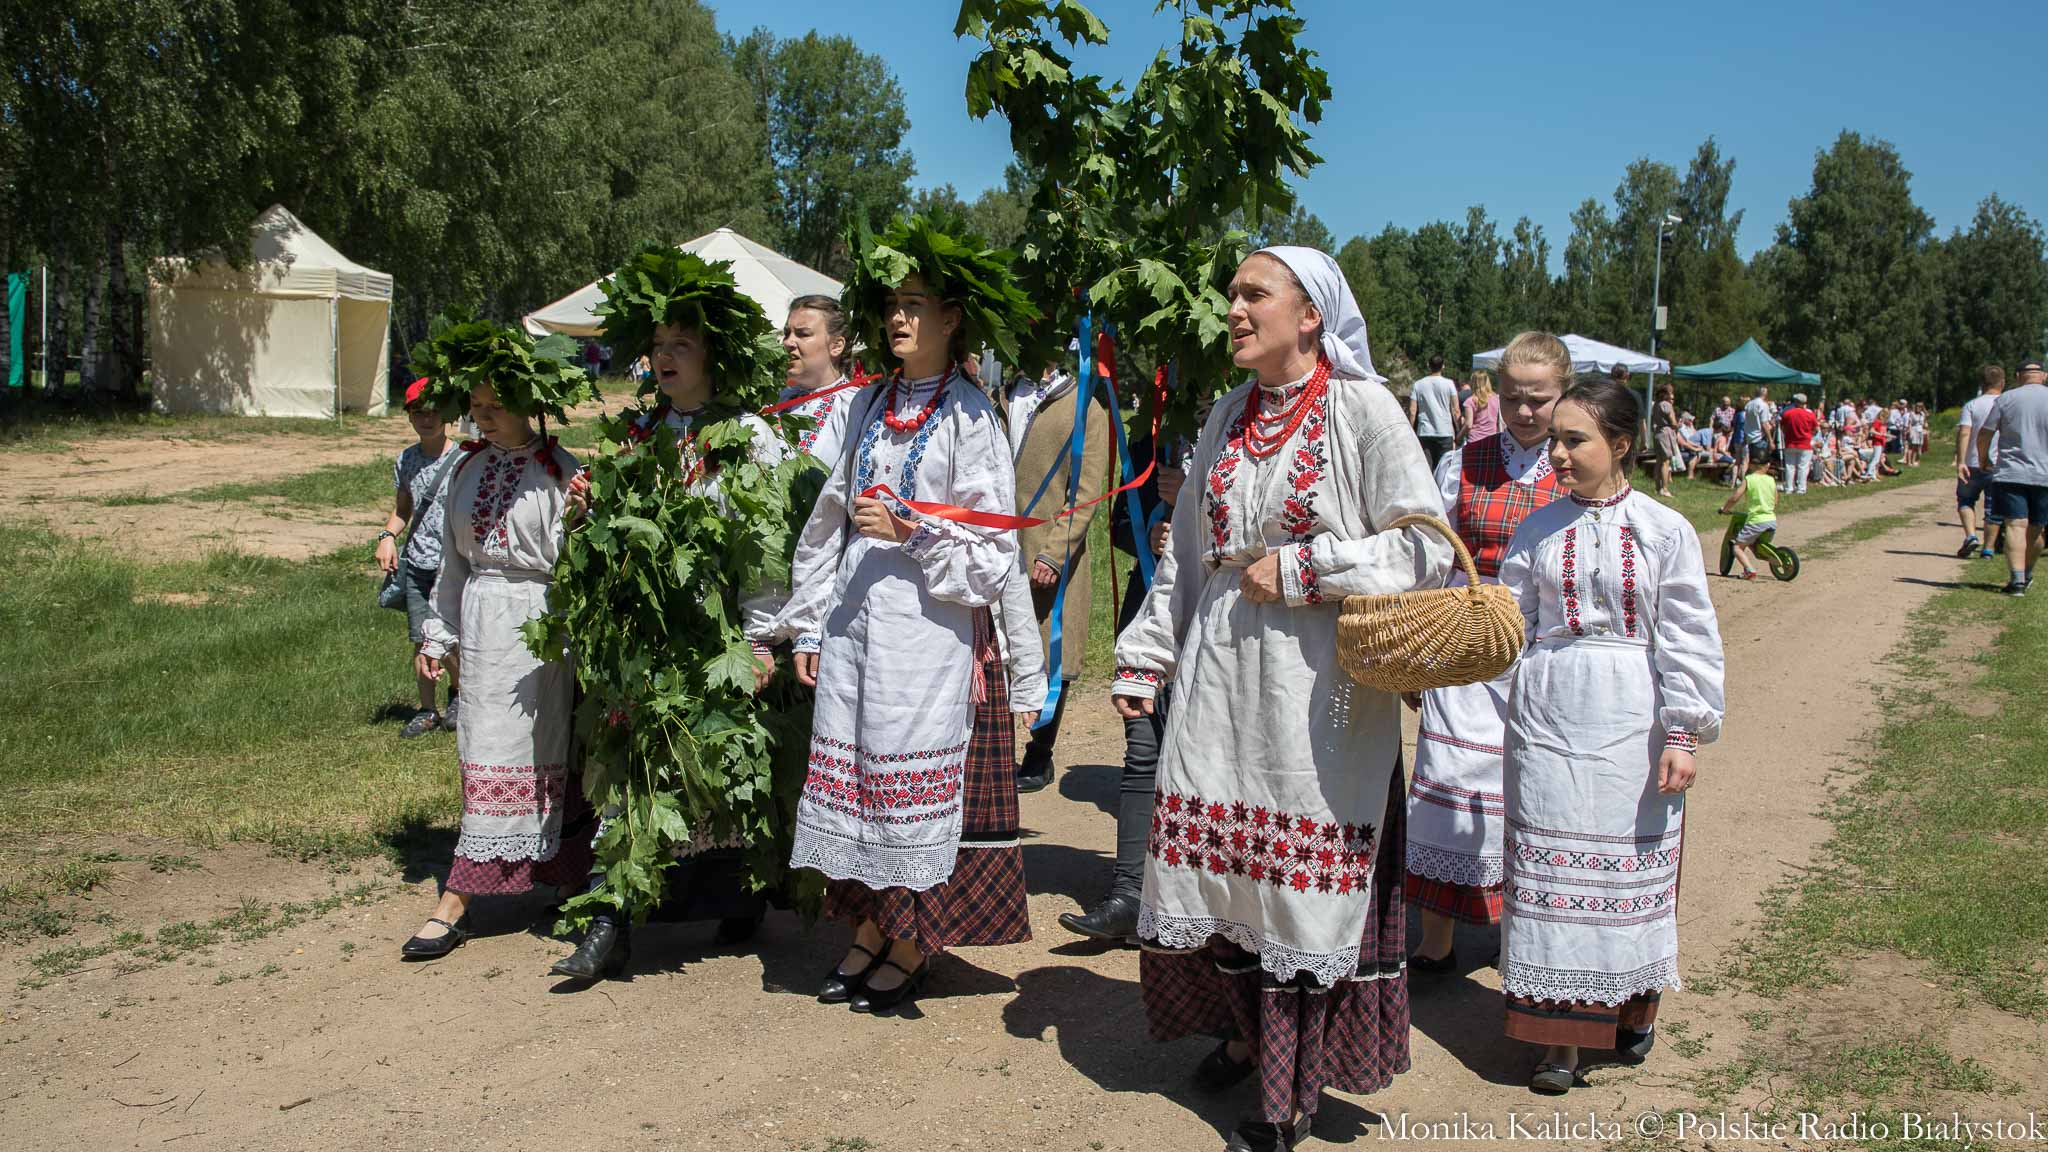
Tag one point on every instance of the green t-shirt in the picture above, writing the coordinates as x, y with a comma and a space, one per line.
1759, 497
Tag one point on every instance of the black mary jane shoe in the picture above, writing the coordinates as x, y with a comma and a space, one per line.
839, 987
435, 947
602, 953
1445, 965
1633, 1047
873, 1002
1218, 1073
1033, 779
1115, 919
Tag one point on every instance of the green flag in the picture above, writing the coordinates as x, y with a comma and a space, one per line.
17, 317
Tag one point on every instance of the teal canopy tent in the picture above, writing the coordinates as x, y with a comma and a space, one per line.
1749, 364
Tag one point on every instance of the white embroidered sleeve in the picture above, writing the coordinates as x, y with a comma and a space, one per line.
965, 563
1686, 641
1395, 482
440, 631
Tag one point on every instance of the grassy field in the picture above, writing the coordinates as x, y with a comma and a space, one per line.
229, 698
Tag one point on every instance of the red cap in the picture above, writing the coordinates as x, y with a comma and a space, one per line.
416, 391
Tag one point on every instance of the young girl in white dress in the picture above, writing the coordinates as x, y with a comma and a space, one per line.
1618, 686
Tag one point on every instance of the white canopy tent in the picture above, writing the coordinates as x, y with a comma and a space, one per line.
764, 275
1590, 358
300, 331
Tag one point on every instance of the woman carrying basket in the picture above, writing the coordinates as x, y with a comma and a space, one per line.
1272, 895
1619, 683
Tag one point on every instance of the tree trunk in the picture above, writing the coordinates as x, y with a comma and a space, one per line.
57, 355
120, 364
91, 353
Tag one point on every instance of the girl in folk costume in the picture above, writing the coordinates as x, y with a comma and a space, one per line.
1454, 806
911, 750
1272, 894
1618, 685
715, 362
504, 509
814, 335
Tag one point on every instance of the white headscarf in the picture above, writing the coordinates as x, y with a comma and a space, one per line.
1343, 324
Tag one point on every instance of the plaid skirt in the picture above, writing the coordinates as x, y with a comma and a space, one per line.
1585, 1025
1353, 1037
569, 867
984, 902
1464, 902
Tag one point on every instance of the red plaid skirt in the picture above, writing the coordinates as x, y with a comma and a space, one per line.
1573, 1022
984, 902
568, 868
1353, 1037
1458, 901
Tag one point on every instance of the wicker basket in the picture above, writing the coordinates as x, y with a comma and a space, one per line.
1437, 638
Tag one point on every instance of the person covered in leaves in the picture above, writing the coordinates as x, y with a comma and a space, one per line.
703, 482
504, 511
1272, 896
909, 809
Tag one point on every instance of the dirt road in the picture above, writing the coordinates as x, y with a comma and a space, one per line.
1039, 1046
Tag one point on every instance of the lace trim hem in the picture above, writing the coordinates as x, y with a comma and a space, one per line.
1456, 867
1188, 933
527, 846
919, 873
1582, 987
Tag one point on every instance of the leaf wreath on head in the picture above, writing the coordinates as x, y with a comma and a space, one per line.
743, 358
956, 266
531, 377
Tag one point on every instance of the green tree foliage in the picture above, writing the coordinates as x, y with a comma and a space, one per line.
998, 215
1856, 282
1993, 292
835, 123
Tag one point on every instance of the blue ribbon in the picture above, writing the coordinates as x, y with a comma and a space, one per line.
1084, 391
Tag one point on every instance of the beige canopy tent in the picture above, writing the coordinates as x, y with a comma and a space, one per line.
300, 331
764, 275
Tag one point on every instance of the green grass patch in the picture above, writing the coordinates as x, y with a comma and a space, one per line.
1940, 849
262, 703
329, 486
36, 428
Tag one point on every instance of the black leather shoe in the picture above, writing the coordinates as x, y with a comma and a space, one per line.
1115, 917
1633, 1047
872, 1002
839, 987
735, 930
1218, 1073
1033, 778
1445, 965
435, 947
602, 953
1266, 1136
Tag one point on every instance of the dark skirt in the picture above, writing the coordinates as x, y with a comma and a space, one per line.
1353, 1037
1466, 903
984, 903
1572, 1022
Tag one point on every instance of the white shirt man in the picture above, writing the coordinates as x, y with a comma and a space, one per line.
1432, 402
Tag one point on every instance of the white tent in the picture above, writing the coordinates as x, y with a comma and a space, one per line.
1590, 358
300, 331
764, 275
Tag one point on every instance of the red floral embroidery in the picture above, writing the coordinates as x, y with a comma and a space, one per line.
1681, 739
1628, 580
513, 789
1305, 573
1221, 474
496, 488
808, 439
1139, 675
1261, 844
848, 781
1571, 580
1311, 460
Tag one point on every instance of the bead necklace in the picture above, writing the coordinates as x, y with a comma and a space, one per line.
1264, 435
910, 423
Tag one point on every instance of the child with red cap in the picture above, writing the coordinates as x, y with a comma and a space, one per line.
417, 511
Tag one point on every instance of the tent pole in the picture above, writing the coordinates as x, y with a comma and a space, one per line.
1656, 289
334, 348
44, 342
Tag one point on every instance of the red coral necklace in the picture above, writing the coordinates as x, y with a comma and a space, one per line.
911, 423
1264, 435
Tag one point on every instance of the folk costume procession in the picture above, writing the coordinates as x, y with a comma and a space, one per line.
1455, 805
850, 573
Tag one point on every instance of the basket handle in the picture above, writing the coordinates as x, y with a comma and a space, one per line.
1444, 530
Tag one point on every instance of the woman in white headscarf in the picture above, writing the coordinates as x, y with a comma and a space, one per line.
1272, 894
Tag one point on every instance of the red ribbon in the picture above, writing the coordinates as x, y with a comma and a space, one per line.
860, 380
997, 520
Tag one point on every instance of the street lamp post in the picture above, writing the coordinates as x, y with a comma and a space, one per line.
1656, 288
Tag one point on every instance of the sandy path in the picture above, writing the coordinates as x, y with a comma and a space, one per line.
1035, 1046
64, 490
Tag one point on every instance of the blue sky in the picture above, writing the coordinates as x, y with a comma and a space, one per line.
1438, 106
